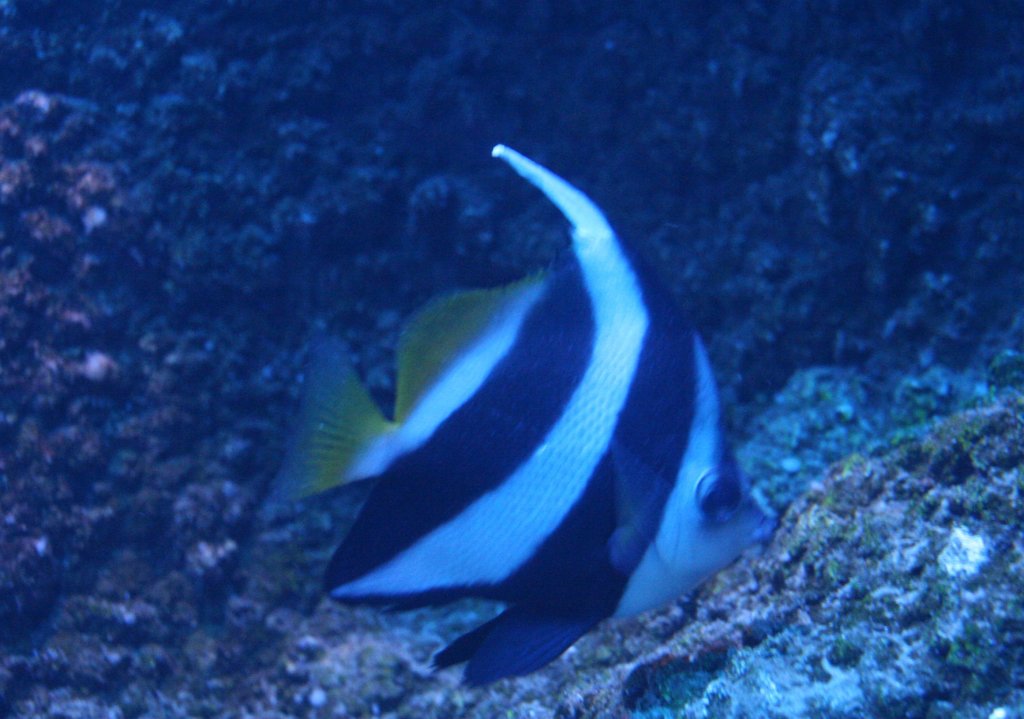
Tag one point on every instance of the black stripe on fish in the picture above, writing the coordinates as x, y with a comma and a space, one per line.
434, 483
655, 422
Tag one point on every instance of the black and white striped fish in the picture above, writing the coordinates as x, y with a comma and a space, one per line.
556, 445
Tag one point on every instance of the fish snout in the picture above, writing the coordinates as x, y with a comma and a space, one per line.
764, 526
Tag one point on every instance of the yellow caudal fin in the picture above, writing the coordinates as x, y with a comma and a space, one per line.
440, 331
338, 420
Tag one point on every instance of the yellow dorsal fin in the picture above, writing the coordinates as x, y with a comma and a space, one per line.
439, 332
338, 420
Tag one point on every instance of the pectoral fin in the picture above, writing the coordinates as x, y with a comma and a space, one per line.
640, 496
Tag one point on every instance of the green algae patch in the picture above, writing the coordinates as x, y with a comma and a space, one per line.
844, 652
671, 683
1007, 369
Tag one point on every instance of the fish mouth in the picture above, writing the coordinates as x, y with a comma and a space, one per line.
765, 527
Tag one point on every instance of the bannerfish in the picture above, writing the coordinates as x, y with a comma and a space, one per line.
556, 445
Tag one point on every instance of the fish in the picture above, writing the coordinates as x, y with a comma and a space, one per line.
556, 445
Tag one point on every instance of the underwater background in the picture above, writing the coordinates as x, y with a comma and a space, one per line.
192, 193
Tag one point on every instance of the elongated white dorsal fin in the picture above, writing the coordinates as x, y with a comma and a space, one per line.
591, 231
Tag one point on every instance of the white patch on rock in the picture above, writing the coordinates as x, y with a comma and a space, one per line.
317, 697
964, 553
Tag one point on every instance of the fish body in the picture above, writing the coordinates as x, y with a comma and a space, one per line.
557, 446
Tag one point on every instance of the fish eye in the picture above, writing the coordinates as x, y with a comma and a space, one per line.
719, 493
